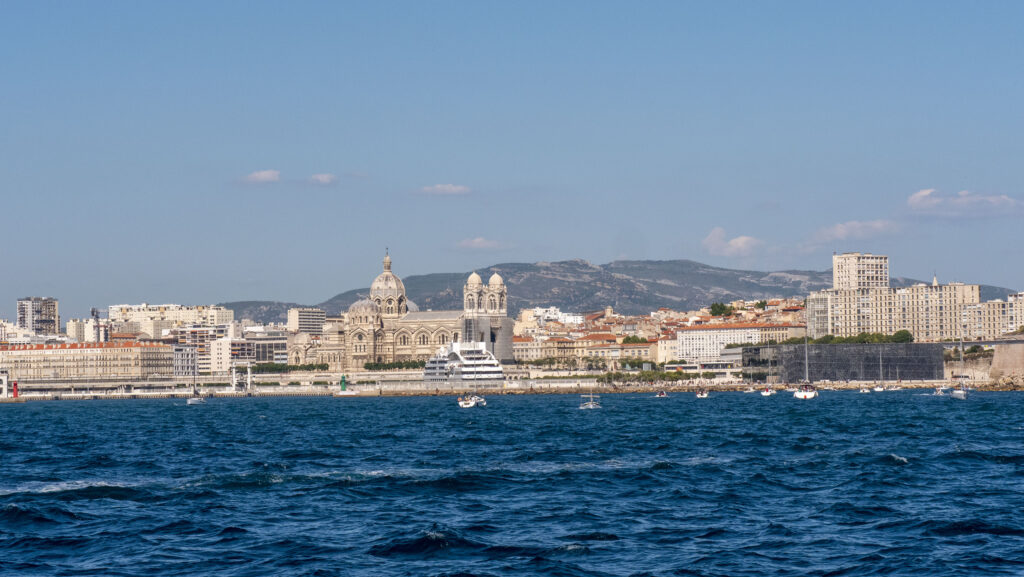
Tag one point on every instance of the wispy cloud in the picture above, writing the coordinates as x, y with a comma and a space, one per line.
446, 189
479, 243
263, 176
323, 179
855, 230
717, 244
962, 204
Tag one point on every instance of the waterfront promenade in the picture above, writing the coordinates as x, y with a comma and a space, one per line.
420, 388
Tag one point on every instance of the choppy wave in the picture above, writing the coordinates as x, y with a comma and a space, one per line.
897, 484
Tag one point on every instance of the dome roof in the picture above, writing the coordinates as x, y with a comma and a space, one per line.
363, 306
495, 280
387, 284
474, 280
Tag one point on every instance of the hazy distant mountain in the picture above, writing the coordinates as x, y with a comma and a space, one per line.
630, 286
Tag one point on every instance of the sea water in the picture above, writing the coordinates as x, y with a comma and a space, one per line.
895, 483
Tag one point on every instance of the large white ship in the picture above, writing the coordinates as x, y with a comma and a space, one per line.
463, 362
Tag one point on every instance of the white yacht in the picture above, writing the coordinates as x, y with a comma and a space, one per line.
463, 362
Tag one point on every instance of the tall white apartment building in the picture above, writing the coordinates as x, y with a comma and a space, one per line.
861, 301
855, 270
39, 314
306, 320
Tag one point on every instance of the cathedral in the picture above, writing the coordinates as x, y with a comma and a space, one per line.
387, 327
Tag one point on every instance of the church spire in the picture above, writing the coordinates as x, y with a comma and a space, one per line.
387, 259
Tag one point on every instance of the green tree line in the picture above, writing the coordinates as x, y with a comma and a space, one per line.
285, 368
394, 365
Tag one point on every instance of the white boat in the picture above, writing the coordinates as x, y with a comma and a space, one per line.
661, 395
959, 392
478, 400
939, 392
878, 388
463, 362
767, 392
749, 390
702, 393
805, 392
591, 401
466, 402
195, 401
865, 390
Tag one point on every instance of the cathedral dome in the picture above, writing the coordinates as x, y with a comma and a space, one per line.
387, 284
364, 306
474, 280
495, 280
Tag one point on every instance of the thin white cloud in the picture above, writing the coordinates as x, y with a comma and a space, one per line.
446, 189
855, 230
263, 176
963, 204
717, 244
323, 179
479, 243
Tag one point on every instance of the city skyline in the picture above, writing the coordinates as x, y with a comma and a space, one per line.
199, 154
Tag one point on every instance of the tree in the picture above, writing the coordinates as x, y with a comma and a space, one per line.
761, 305
634, 340
720, 309
903, 336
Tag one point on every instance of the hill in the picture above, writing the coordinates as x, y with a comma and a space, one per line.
630, 286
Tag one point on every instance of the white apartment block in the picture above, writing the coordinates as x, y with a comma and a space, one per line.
173, 315
704, 343
87, 361
930, 312
854, 270
85, 330
861, 301
991, 319
306, 320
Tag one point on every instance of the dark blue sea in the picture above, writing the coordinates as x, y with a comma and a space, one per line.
896, 483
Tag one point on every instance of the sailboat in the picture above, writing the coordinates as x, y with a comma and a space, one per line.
959, 392
806, 390
768, 391
196, 398
591, 401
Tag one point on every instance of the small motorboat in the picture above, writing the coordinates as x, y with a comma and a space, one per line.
702, 393
865, 390
195, 401
878, 388
939, 392
478, 401
749, 390
467, 403
767, 392
661, 395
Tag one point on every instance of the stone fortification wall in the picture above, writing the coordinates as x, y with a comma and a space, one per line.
1008, 361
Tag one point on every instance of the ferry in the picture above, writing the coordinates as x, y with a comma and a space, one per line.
463, 362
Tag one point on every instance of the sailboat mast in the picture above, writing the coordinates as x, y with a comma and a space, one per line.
807, 368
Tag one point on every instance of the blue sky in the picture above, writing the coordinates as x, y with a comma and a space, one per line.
208, 152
